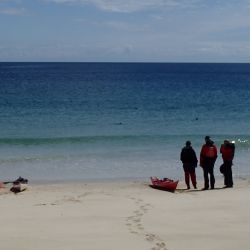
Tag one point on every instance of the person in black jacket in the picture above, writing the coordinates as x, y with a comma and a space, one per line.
189, 160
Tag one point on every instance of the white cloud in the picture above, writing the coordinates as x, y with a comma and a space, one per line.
127, 6
12, 7
12, 11
131, 5
126, 26
11, 1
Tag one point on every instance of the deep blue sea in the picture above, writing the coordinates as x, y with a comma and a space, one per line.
86, 121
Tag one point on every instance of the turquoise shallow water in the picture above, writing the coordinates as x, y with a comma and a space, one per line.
69, 121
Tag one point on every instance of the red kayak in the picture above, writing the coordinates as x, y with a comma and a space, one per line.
164, 184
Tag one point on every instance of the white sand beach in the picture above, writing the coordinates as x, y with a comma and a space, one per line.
125, 215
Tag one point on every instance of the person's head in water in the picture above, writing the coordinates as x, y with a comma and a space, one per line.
188, 143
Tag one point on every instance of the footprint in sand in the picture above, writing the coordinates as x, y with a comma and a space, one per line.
159, 246
136, 227
138, 212
139, 226
71, 199
83, 195
40, 204
150, 237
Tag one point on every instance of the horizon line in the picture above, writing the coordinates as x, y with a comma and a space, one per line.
125, 62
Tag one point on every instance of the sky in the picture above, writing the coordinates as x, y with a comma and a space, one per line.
125, 30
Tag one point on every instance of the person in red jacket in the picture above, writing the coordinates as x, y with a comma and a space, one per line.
227, 151
208, 156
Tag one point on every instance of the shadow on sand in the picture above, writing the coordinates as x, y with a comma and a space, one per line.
162, 189
181, 190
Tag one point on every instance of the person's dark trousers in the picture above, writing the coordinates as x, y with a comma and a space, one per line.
192, 175
208, 170
228, 176
189, 169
